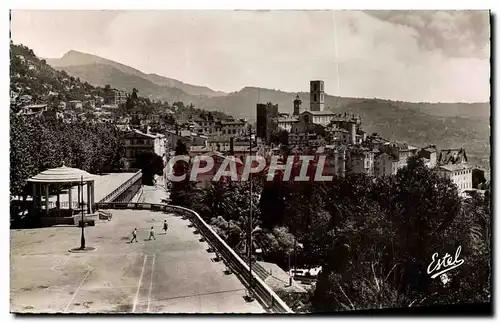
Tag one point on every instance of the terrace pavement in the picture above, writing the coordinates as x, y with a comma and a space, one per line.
172, 274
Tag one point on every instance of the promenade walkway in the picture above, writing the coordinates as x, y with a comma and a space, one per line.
156, 193
172, 274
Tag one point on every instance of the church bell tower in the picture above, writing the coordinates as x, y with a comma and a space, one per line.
317, 92
297, 103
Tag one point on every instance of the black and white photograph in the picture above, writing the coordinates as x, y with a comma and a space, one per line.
250, 161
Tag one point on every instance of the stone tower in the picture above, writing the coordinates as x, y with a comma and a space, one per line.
297, 103
317, 93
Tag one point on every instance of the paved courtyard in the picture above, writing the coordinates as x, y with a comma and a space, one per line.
172, 274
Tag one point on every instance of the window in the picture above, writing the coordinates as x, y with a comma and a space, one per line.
315, 97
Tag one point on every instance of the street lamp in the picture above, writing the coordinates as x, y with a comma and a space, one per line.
82, 240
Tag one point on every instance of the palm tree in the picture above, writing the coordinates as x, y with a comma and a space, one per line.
257, 236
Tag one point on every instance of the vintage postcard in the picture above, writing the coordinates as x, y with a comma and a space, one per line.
239, 161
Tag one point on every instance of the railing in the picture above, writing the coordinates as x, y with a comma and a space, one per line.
120, 189
63, 205
260, 289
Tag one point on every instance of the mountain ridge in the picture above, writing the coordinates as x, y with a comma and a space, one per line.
74, 58
77, 58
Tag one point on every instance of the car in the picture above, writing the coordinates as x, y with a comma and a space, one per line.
315, 271
299, 272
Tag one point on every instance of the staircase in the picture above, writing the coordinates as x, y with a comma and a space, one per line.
260, 271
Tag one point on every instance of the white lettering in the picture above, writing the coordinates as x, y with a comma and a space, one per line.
319, 170
303, 168
251, 170
274, 166
444, 264
170, 167
223, 172
196, 169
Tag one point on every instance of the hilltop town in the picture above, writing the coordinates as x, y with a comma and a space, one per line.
304, 233
39, 90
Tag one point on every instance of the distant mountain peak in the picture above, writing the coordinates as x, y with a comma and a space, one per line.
73, 52
75, 61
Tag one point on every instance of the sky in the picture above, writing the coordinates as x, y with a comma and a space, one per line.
431, 56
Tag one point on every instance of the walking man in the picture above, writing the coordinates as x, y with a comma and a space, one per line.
134, 235
165, 226
152, 233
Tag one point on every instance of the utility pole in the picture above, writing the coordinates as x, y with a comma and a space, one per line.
82, 241
294, 258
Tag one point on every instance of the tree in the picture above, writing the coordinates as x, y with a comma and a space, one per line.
23, 161
422, 214
134, 95
423, 206
272, 204
280, 136
39, 144
107, 89
150, 164
181, 190
279, 246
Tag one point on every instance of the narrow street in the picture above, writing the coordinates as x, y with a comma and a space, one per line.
154, 194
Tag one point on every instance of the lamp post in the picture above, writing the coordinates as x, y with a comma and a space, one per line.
250, 229
82, 241
294, 259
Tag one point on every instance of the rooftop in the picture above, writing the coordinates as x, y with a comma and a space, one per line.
226, 138
452, 156
240, 122
34, 106
144, 134
222, 156
241, 148
400, 145
430, 149
199, 149
455, 167
287, 119
330, 113
62, 174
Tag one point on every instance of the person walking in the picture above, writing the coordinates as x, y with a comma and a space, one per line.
165, 226
152, 233
134, 235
